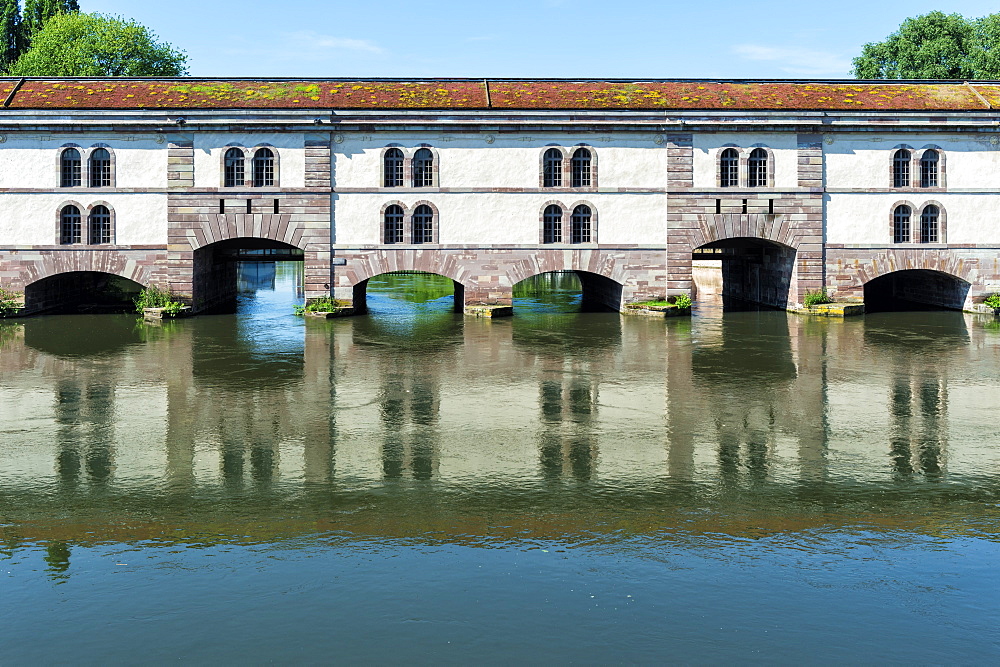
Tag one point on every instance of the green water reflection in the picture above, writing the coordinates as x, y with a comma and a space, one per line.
737, 485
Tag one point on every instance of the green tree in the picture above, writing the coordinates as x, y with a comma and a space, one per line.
931, 46
77, 44
10, 33
37, 12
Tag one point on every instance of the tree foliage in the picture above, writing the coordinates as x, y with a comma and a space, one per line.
37, 12
10, 33
75, 44
935, 46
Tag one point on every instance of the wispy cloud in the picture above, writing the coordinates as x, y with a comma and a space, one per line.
797, 60
307, 46
308, 40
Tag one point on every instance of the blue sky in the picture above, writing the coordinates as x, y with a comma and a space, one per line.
547, 38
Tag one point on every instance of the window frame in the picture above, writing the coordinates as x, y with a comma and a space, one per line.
432, 238
585, 167
401, 181
264, 164
239, 175
552, 178
544, 237
61, 214
91, 213
896, 237
75, 180
724, 172
384, 214
570, 238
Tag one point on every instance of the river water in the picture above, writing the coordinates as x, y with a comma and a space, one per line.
558, 486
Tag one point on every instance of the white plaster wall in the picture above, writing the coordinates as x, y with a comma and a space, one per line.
468, 161
210, 147
485, 218
31, 219
863, 160
864, 218
784, 147
31, 161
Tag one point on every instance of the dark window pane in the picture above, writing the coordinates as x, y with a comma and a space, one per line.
901, 169
757, 169
423, 169
929, 169
729, 168
580, 165
393, 224
70, 225
552, 164
552, 224
234, 168
581, 225
423, 224
901, 225
929, 224
100, 225
70, 176
393, 168
100, 169
263, 168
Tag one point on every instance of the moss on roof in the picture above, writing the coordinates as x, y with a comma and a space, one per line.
472, 94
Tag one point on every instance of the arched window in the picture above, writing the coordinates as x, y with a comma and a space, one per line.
929, 224
70, 168
552, 224
901, 169
100, 225
392, 224
393, 168
263, 168
552, 166
901, 224
757, 175
423, 224
580, 232
69, 225
729, 168
580, 165
929, 169
423, 169
100, 168
234, 168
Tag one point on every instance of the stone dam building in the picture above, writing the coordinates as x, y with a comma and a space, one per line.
870, 190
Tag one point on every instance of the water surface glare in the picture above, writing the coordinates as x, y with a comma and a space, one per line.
559, 486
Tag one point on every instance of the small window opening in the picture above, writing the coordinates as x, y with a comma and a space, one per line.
718, 206
744, 205
249, 210
276, 205
222, 206
770, 207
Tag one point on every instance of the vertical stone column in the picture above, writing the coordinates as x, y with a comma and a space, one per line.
681, 218
180, 257
318, 272
810, 261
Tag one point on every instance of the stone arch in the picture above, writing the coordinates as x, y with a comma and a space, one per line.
892, 260
217, 227
112, 262
723, 226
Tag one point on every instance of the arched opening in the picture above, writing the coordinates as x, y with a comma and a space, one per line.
408, 294
915, 289
752, 272
567, 292
247, 273
81, 292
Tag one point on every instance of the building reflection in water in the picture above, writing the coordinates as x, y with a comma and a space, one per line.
747, 403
